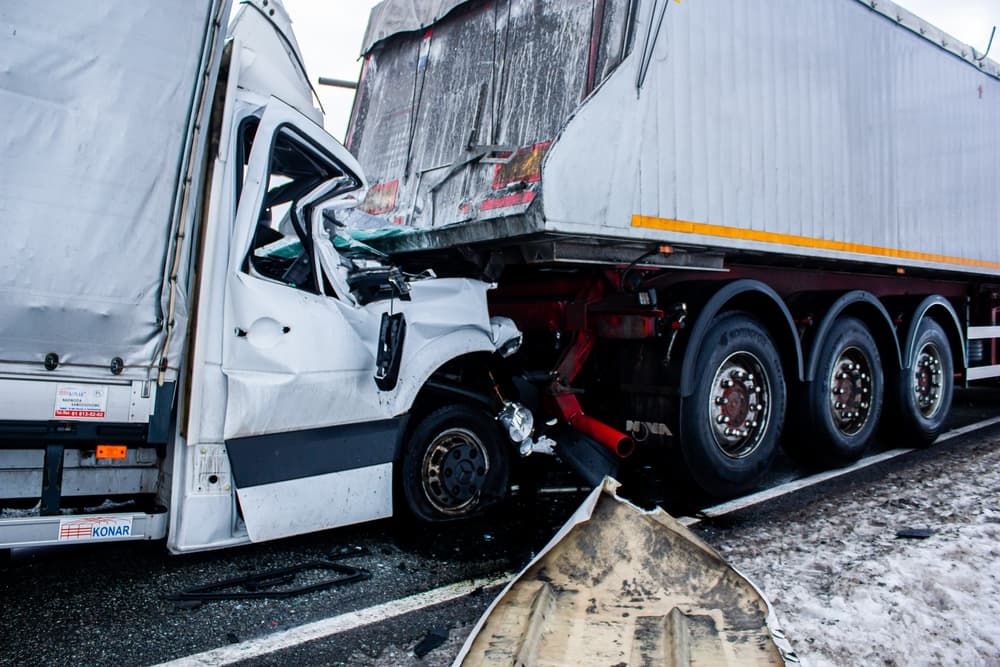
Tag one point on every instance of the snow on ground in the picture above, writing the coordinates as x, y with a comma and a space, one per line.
849, 592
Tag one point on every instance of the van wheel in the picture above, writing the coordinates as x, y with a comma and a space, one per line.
924, 392
455, 465
730, 425
844, 401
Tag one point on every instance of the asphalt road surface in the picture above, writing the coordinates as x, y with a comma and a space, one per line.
108, 604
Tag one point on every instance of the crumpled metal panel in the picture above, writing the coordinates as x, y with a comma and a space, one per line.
620, 586
391, 17
95, 103
273, 63
452, 124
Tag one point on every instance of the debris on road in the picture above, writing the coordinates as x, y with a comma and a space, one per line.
272, 583
621, 585
914, 533
431, 641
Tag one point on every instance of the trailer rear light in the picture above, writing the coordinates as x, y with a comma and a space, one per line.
115, 452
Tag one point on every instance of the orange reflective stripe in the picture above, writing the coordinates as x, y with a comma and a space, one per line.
721, 231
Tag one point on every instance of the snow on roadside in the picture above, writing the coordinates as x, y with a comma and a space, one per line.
849, 592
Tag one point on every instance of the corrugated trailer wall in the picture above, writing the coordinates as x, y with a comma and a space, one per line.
804, 127
815, 128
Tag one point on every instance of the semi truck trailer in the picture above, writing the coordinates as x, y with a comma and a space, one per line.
190, 346
723, 227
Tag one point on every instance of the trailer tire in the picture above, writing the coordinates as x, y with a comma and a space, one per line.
843, 403
454, 465
730, 425
924, 411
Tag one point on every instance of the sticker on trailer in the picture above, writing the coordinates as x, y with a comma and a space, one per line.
81, 401
95, 528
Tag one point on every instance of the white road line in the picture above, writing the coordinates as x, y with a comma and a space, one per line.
278, 641
805, 482
968, 429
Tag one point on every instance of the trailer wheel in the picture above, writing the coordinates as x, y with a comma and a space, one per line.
844, 401
925, 391
454, 465
730, 425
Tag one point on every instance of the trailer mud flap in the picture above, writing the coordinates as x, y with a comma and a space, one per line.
618, 585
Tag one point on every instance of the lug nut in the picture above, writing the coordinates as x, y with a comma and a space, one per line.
721, 400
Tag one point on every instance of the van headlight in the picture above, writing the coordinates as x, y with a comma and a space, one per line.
503, 329
511, 346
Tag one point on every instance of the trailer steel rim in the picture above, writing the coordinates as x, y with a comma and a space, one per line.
454, 470
851, 390
927, 381
739, 405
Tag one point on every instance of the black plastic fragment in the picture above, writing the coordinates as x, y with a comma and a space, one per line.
266, 584
431, 641
914, 533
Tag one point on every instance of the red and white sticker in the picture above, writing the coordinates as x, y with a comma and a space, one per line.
95, 528
81, 401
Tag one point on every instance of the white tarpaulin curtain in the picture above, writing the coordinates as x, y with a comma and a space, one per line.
95, 104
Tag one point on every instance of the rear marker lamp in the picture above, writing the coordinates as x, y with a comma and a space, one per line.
114, 452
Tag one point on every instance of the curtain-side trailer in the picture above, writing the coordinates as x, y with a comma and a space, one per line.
722, 226
190, 347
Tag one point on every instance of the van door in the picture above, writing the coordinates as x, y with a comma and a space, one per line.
309, 443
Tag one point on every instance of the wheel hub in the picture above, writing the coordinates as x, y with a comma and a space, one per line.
739, 404
927, 380
454, 470
851, 390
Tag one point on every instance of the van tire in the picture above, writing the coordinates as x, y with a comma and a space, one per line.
455, 465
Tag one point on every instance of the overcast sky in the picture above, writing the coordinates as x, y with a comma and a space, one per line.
330, 33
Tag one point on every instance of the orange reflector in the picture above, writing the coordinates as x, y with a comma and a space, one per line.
900, 271
111, 451
666, 250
